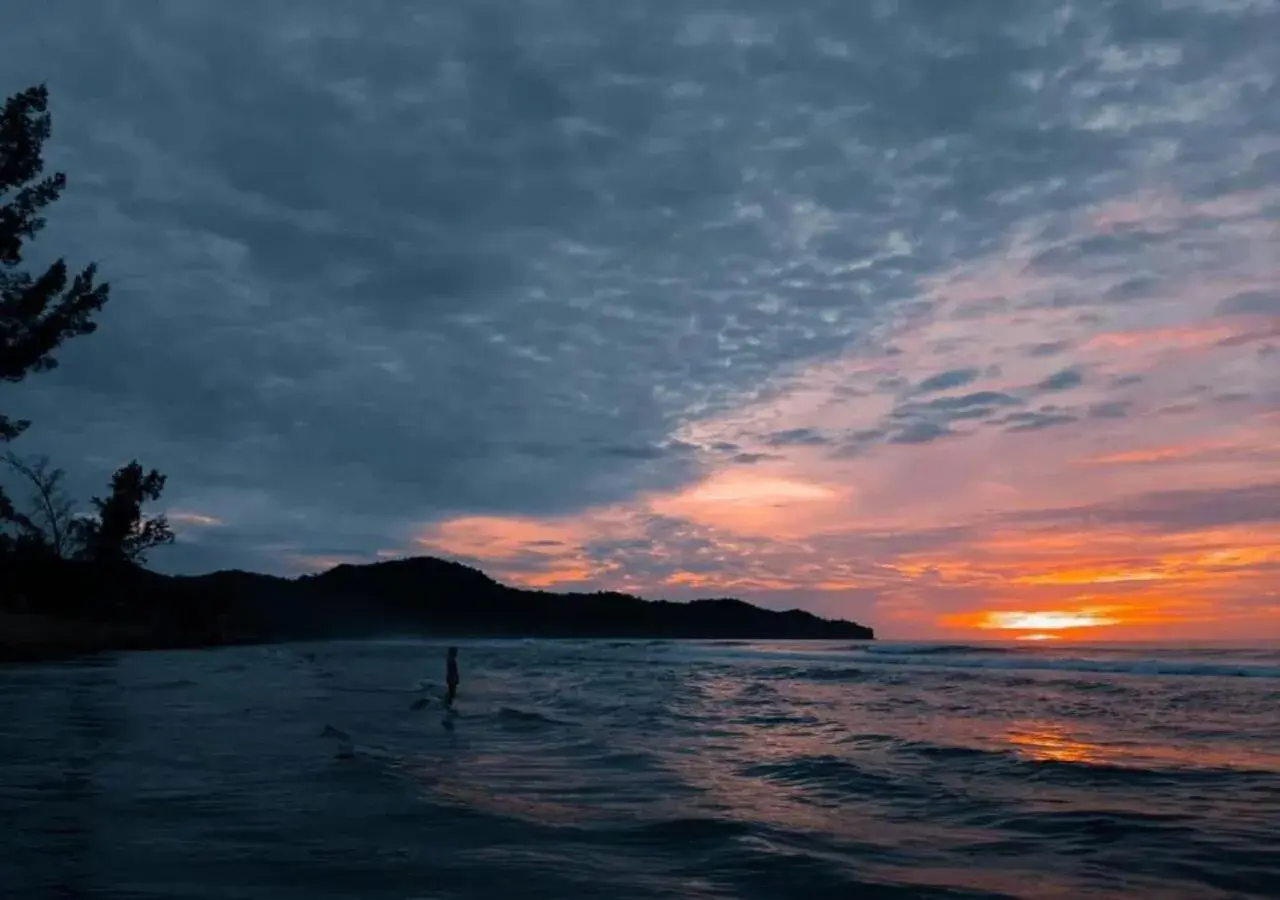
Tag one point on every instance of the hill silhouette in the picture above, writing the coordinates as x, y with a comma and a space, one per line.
419, 595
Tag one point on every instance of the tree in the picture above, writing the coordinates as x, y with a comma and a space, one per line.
37, 313
51, 523
120, 532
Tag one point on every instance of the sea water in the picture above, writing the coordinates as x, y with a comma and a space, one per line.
576, 769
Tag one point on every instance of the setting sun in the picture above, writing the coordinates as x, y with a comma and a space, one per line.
1040, 625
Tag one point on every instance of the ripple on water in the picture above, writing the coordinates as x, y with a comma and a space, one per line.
581, 769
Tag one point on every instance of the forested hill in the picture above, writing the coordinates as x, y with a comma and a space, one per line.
416, 595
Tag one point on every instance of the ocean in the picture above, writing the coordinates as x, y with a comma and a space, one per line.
632, 769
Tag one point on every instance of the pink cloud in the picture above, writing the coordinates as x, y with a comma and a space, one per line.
919, 535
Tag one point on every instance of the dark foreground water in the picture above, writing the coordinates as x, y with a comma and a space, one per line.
634, 770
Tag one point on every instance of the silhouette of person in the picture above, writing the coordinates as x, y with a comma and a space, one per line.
451, 676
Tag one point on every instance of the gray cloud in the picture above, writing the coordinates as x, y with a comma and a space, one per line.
797, 437
945, 381
1174, 511
375, 268
1250, 303
1132, 289
976, 400
976, 405
925, 421
750, 459
1111, 409
1048, 348
1037, 420
1062, 381
1124, 381
920, 433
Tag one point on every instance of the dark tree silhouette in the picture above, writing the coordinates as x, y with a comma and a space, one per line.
120, 532
37, 312
49, 525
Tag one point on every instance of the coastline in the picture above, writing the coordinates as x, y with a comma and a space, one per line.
62, 610
40, 638
36, 637
30, 638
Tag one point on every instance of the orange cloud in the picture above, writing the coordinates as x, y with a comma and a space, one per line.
1161, 454
535, 553
756, 503
1182, 337
932, 538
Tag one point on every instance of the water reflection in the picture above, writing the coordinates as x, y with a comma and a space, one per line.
1051, 743
57, 727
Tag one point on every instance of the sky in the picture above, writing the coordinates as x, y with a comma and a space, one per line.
957, 319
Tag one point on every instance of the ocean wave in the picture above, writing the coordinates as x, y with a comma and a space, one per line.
1109, 765
929, 649
173, 685
834, 674
771, 721
527, 717
1151, 667
827, 777
682, 830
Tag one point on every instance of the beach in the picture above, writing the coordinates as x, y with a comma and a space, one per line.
634, 769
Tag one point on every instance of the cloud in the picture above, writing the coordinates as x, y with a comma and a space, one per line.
1037, 420
1111, 409
675, 300
1177, 510
1062, 381
1251, 303
944, 381
750, 459
797, 437
916, 422
1048, 348
920, 433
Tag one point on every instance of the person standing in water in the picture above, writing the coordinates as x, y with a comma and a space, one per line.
451, 676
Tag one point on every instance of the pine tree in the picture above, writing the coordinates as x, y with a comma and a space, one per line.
37, 312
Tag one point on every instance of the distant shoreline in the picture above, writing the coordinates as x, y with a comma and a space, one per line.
28, 638
58, 609
38, 638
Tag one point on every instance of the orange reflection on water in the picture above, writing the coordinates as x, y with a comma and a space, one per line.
1049, 743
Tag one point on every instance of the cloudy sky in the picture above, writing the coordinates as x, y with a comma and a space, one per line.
941, 316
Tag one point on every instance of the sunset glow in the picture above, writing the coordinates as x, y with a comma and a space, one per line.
180, 517
1041, 622
1117, 497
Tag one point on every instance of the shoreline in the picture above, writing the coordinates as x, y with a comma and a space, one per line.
32, 638
35, 637
39, 638
55, 609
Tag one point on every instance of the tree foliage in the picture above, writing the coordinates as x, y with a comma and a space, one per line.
37, 312
49, 525
120, 532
